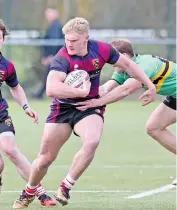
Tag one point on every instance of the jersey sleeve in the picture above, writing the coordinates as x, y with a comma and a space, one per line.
11, 77
120, 77
109, 54
59, 63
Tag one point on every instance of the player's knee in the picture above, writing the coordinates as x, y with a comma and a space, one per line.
45, 161
11, 153
151, 129
44, 164
91, 145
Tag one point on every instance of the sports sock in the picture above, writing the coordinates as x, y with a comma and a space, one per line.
31, 190
40, 190
68, 183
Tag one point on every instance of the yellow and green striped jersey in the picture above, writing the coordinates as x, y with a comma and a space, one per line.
161, 72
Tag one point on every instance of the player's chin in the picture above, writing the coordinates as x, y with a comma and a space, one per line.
71, 52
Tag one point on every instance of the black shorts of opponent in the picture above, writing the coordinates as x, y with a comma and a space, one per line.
170, 102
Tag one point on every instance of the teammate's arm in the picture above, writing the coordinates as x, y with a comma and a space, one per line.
57, 89
18, 92
20, 96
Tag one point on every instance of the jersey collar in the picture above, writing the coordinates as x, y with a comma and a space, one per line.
134, 57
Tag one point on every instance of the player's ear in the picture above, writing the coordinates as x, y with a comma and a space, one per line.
126, 55
87, 37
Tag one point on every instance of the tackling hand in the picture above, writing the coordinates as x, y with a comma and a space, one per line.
148, 96
88, 104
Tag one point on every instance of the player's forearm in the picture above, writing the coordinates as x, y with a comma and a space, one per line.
107, 87
62, 90
115, 95
19, 95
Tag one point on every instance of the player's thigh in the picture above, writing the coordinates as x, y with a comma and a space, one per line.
7, 136
162, 117
8, 144
90, 128
54, 136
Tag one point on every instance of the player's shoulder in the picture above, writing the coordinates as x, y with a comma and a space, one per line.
97, 43
63, 52
5, 62
93, 42
98, 46
93, 45
144, 56
138, 58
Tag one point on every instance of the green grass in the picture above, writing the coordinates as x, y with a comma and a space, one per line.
127, 160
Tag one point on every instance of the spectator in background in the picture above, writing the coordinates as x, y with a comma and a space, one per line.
54, 31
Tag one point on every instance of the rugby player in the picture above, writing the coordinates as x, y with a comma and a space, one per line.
90, 55
8, 145
162, 73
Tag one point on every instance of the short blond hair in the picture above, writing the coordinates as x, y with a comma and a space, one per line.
123, 46
78, 25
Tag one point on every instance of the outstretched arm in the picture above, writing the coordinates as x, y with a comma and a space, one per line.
118, 93
122, 91
135, 71
107, 87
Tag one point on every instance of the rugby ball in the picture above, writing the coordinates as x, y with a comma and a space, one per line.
75, 78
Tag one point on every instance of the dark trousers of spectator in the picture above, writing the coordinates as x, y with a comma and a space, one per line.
42, 90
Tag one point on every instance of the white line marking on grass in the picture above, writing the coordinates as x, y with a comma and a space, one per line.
81, 191
121, 166
152, 192
139, 166
84, 191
